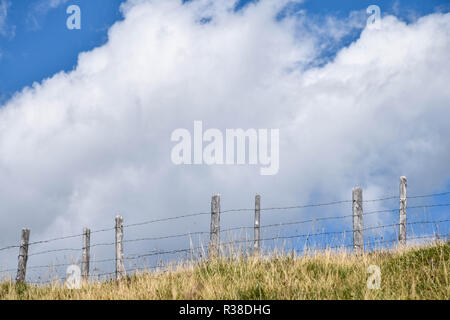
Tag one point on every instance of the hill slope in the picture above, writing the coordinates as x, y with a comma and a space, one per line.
414, 273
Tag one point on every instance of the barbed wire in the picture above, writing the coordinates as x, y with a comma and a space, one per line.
165, 268
129, 273
384, 241
9, 247
165, 252
55, 239
307, 235
54, 250
290, 207
240, 210
166, 219
309, 249
314, 220
305, 250
103, 260
154, 238
204, 249
50, 266
429, 195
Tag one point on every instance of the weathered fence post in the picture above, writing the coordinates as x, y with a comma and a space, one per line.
120, 269
358, 226
214, 241
402, 222
23, 256
86, 254
257, 223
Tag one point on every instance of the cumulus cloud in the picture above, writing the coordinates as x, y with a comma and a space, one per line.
80, 147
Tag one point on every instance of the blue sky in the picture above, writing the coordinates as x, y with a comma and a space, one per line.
38, 44
42, 45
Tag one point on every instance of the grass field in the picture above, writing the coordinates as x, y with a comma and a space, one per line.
412, 273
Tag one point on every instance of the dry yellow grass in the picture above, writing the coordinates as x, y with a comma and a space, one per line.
410, 273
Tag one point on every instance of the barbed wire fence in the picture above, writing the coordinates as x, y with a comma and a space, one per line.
355, 238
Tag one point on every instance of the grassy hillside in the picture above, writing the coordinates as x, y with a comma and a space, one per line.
414, 273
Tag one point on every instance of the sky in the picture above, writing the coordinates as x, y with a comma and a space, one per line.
35, 44
86, 115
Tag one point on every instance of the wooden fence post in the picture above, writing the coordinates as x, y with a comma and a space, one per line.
120, 268
358, 226
256, 236
23, 256
402, 222
214, 241
86, 254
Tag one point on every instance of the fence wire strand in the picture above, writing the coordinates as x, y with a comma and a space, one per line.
202, 250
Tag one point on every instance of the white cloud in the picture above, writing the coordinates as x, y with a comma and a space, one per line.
80, 147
